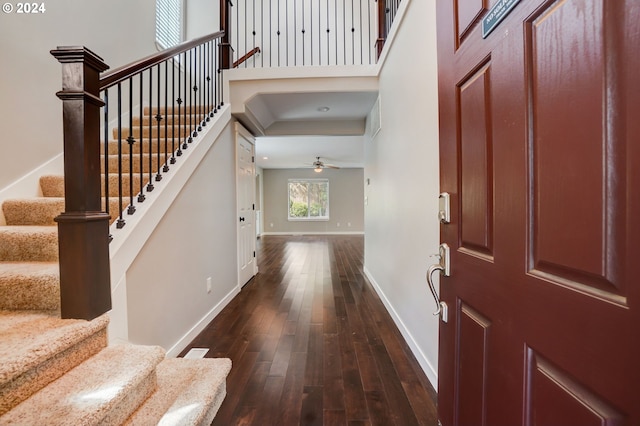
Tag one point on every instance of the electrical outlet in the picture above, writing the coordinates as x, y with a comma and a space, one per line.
209, 285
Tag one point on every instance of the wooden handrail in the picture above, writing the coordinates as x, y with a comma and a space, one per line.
118, 75
382, 26
249, 54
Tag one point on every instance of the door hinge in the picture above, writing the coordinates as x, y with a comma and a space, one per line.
253, 159
254, 253
253, 206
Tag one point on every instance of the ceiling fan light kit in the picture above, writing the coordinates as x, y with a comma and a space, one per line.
319, 165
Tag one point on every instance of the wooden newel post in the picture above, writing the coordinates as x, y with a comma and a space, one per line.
83, 228
382, 25
226, 52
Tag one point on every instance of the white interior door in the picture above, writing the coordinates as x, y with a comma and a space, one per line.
245, 178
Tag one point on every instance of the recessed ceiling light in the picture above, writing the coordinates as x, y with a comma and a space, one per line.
265, 158
324, 109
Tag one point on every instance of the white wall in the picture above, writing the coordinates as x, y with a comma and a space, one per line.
401, 226
345, 201
202, 17
119, 31
166, 284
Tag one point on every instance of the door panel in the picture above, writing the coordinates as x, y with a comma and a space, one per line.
245, 177
539, 149
476, 160
553, 397
472, 341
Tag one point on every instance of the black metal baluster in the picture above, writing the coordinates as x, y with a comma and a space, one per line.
141, 196
120, 223
165, 167
194, 96
278, 33
201, 106
335, 23
295, 33
158, 120
179, 102
221, 87
189, 105
173, 112
361, 40
183, 134
150, 186
215, 77
369, 45
270, 30
262, 31
328, 36
131, 140
311, 30
208, 79
286, 23
245, 33
353, 40
106, 150
344, 30
237, 10
303, 33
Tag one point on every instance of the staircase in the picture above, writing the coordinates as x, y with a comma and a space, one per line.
61, 371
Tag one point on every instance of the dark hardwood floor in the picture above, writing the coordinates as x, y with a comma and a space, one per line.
312, 344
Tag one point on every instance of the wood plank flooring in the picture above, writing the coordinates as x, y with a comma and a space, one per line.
312, 344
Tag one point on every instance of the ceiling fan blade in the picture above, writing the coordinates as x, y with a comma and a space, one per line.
330, 166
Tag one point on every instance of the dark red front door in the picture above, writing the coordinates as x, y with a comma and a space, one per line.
540, 151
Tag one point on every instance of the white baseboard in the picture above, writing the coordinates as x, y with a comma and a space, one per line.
313, 233
426, 366
179, 346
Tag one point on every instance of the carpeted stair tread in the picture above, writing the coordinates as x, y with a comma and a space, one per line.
190, 391
29, 286
29, 243
32, 211
105, 389
36, 348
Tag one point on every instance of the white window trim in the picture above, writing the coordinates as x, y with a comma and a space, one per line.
308, 219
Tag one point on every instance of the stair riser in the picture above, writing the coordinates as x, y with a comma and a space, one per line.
41, 247
35, 379
137, 147
171, 118
30, 293
152, 133
120, 413
113, 164
36, 212
169, 110
55, 187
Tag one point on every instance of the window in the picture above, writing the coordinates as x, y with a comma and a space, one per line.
168, 23
308, 199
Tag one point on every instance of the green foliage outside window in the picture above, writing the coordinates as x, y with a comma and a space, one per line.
309, 199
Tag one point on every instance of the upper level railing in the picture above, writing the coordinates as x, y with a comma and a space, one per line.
146, 113
291, 33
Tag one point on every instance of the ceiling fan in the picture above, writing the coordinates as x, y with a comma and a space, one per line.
319, 165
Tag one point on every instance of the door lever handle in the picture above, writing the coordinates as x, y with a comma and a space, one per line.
444, 267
